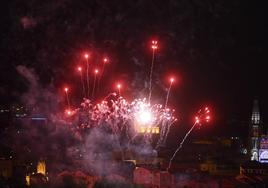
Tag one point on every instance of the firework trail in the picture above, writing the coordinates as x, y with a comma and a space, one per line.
180, 146
82, 80
168, 92
119, 88
94, 83
154, 47
105, 60
87, 56
198, 119
66, 89
166, 129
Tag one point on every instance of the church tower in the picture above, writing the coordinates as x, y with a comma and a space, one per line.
255, 132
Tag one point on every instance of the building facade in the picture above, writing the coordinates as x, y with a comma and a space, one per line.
256, 131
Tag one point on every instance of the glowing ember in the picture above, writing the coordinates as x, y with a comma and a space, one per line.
154, 45
105, 60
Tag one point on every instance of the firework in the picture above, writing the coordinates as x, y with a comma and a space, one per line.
88, 88
154, 47
135, 119
96, 72
104, 62
79, 69
66, 89
118, 86
171, 80
199, 119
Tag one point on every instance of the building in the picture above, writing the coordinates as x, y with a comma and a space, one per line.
152, 178
254, 168
6, 168
255, 132
41, 167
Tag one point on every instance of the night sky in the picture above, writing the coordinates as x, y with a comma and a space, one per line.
217, 49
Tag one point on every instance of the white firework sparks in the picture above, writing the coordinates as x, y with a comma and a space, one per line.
132, 119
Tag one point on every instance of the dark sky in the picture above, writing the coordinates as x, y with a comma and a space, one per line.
217, 48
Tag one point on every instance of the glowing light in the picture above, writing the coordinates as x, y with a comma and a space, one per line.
68, 112
197, 120
86, 56
96, 71
145, 117
41, 167
27, 178
154, 45
79, 69
118, 86
66, 89
171, 79
203, 115
105, 60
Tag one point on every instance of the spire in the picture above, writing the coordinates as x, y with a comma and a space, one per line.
255, 117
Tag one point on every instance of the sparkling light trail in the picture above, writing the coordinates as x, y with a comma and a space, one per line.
171, 80
79, 69
119, 88
96, 71
88, 88
66, 89
201, 116
154, 46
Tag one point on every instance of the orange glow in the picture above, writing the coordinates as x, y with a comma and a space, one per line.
41, 167
86, 55
149, 130
27, 180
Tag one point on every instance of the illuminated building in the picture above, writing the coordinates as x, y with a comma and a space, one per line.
263, 151
151, 130
41, 167
255, 132
27, 178
5, 168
